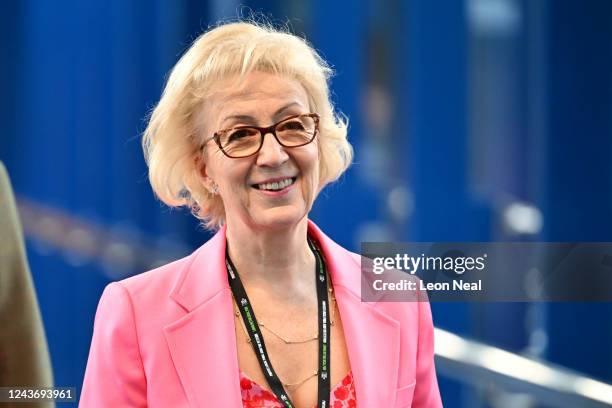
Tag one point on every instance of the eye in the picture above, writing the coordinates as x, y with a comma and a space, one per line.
295, 124
239, 134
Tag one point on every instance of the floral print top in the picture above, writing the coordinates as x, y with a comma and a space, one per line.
254, 396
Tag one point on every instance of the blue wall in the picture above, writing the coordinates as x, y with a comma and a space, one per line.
474, 115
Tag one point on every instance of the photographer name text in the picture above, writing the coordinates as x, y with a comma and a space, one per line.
411, 285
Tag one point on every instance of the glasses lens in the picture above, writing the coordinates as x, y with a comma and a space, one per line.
296, 131
240, 141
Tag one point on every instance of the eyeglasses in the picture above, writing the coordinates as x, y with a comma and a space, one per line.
245, 141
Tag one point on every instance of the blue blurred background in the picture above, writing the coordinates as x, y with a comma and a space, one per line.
472, 120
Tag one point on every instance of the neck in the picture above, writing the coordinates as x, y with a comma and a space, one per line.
278, 261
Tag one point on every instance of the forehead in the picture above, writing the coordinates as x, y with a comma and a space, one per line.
258, 94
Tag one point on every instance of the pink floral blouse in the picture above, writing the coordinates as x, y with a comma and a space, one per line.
254, 396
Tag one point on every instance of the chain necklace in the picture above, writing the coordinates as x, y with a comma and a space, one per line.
281, 337
294, 385
257, 341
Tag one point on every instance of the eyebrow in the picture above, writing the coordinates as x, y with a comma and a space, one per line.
251, 119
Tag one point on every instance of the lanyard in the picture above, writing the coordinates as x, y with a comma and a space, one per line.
257, 340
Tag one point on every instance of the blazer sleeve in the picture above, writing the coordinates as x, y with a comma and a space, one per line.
426, 392
114, 376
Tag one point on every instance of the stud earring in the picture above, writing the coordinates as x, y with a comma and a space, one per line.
214, 188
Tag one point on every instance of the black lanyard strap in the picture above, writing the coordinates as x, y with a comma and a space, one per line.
257, 340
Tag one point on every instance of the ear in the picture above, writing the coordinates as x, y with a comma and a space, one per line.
200, 164
202, 169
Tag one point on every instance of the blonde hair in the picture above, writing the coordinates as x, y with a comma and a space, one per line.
172, 140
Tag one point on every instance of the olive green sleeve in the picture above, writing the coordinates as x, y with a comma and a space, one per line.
24, 356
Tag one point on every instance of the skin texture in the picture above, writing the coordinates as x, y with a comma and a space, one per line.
266, 235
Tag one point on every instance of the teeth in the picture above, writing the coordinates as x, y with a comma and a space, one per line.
276, 185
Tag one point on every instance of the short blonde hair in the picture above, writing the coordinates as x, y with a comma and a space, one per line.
173, 138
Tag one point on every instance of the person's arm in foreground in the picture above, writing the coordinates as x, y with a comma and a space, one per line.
24, 356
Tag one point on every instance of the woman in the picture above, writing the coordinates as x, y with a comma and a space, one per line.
267, 313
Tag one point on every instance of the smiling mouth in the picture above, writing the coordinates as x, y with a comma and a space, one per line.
275, 186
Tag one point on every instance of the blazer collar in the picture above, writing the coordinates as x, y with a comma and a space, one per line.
203, 342
204, 275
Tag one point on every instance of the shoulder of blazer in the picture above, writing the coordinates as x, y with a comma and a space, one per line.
188, 281
158, 279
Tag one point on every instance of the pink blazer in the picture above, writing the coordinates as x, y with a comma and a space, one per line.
166, 338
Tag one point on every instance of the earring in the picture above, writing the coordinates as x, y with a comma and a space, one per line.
214, 188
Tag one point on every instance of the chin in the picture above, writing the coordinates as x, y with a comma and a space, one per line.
277, 218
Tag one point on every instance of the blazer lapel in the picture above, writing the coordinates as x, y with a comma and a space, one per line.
372, 340
203, 349
372, 337
203, 342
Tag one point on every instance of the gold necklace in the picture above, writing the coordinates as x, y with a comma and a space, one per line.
297, 384
285, 340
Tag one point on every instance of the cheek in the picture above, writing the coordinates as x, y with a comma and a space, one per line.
316, 169
312, 168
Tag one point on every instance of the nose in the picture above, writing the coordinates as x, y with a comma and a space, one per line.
272, 154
